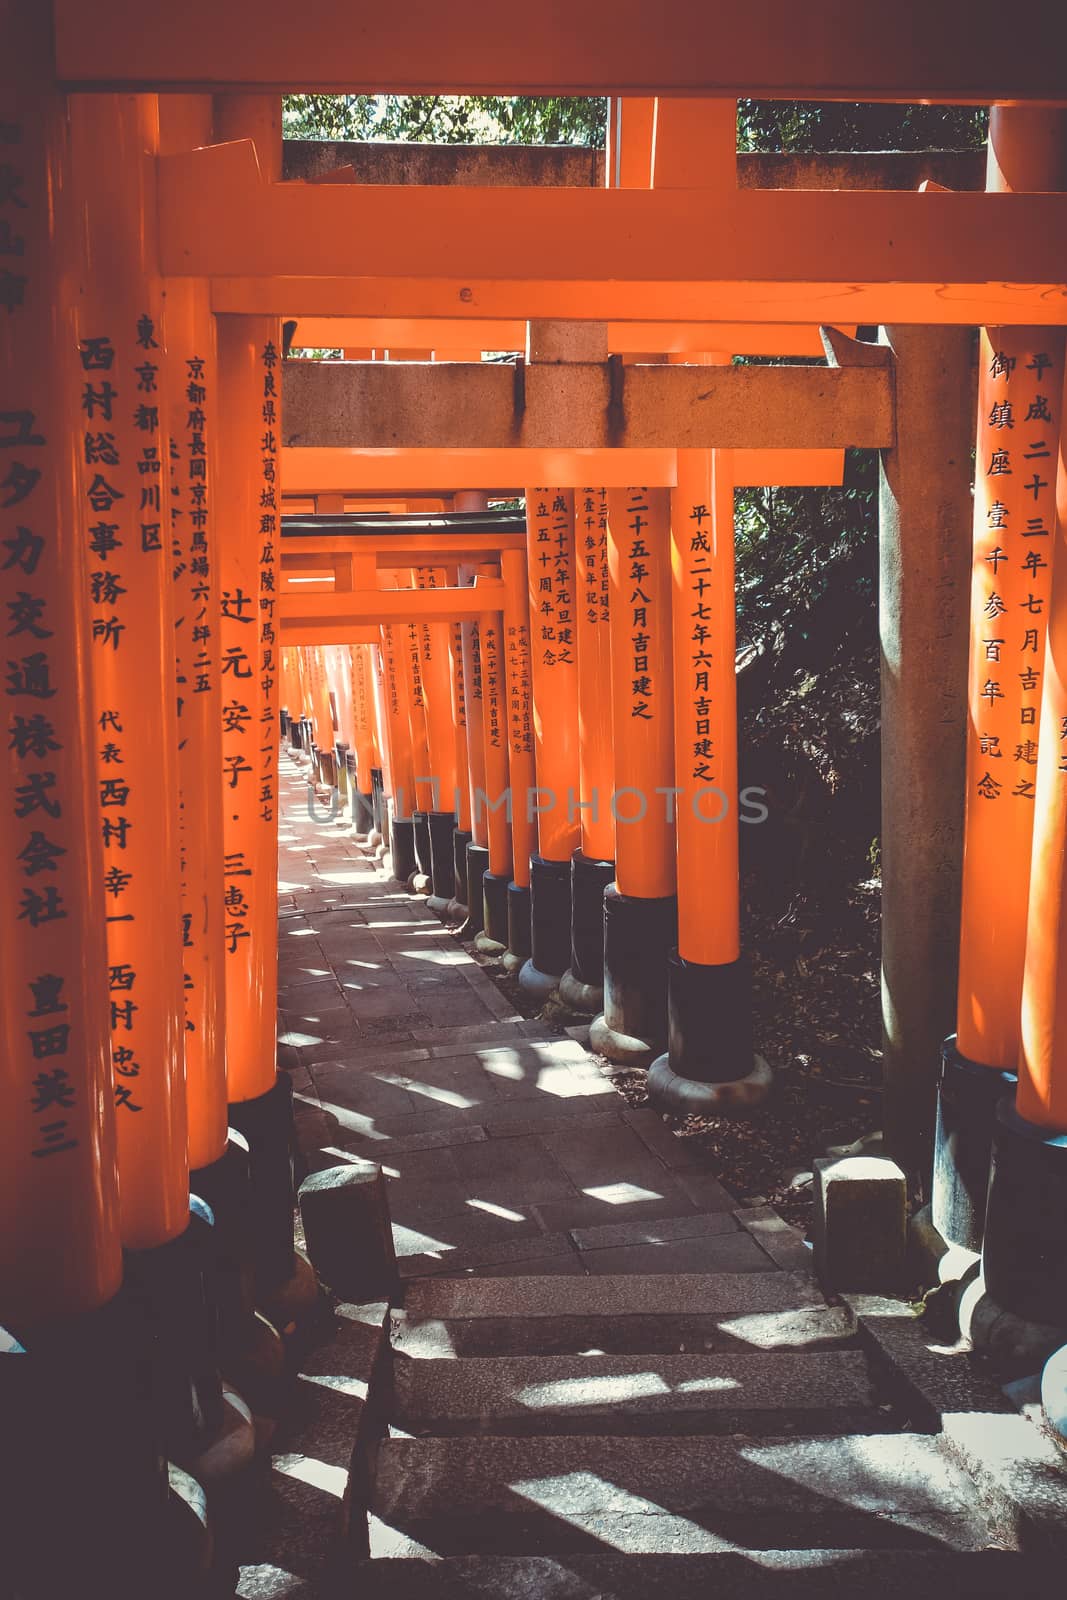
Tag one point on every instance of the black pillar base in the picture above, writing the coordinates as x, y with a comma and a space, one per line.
710, 1068
82, 1442
296, 736
442, 869
327, 769
550, 927
283, 721
457, 906
362, 813
402, 839
638, 936
225, 1186
477, 865
1024, 1255
423, 861
267, 1124
493, 940
344, 785
377, 792
966, 1111
519, 927
582, 985
173, 1283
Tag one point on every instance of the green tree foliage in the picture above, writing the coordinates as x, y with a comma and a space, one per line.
807, 125
447, 118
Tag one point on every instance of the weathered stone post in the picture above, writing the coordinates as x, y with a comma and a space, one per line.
924, 566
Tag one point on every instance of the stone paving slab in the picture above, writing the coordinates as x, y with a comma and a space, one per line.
556, 1495
734, 1252
929, 1574
498, 1133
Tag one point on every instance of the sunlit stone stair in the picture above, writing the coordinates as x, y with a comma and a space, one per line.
623, 1315
616, 1437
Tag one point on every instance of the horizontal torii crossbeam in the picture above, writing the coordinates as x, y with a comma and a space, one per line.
328, 618
584, 406
958, 51
218, 219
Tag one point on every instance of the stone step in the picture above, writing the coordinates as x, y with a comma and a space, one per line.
772, 1575
680, 1495
762, 1393
622, 1314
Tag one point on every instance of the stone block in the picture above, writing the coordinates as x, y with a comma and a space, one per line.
860, 1223
345, 1215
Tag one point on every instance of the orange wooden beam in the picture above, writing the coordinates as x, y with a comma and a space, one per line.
958, 50
307, 471
444, 335
217, 218
843, 304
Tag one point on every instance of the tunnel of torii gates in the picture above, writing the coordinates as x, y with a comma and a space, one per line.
535, 712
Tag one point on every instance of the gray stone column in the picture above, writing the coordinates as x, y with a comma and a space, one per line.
924, 581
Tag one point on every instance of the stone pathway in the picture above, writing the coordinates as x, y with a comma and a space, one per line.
604, 1379
502, 1140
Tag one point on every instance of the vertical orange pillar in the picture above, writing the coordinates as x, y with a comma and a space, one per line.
640, 910
554, 664
1041, 1097
1020, 381
435, 664
1020, 378
249, 414
322, 715
476, 852
521, 764
59, 1214
1024, 1250
472, 838
462, 835
119, 371
397, 727
420, 749
291, 691
363, 719
494, 801
710, 1064
592, 866
190, 398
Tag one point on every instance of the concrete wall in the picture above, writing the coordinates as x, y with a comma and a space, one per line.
571, 166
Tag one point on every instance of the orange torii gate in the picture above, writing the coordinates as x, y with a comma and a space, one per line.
328, 555
218, 216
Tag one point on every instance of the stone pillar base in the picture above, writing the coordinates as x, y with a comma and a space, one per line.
519, 946
456, 911
582, 985
493, 939
1024, 1255
442, 825
710, 1068
402, 842
477, 866
638, 935
550, 927
266, 1123
966, 1110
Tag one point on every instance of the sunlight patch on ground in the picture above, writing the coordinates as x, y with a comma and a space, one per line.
358, 1388
319, 1474
430, 1091
566, 1084
440, 958
497, 1211
299, 1039
409, 1242
621, 1194
607, 1390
